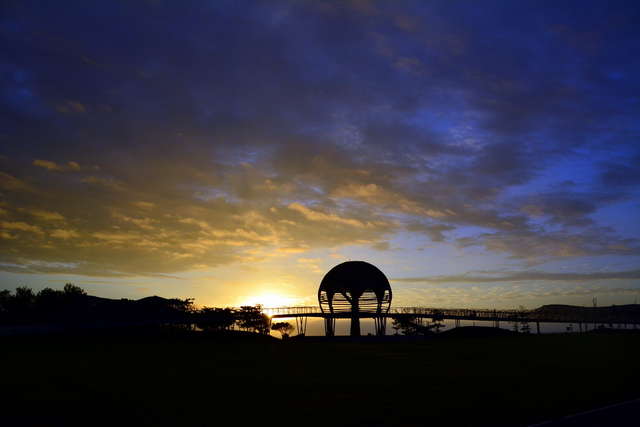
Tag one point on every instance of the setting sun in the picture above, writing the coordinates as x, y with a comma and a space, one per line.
269, 300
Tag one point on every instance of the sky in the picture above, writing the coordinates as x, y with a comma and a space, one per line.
481, 154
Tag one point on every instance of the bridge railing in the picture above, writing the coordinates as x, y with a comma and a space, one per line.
423, 311
291, 310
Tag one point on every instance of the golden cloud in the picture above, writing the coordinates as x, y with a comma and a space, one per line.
20, 226
60, 233
324, 217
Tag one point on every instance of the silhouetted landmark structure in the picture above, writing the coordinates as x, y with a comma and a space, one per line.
355, 288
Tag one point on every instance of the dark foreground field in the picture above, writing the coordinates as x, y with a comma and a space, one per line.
204, 381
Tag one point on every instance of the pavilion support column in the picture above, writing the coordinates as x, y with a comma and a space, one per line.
355, 325
355, 316
381, 325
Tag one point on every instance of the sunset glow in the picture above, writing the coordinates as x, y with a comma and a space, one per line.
270, 300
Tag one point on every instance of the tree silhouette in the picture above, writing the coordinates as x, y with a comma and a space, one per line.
396, 327
23, 303
49, 302
405, 324
181, 305
72, 290
216, 319
436, 324
285, 328
410, 326
520, 325
5, 300
251, 318
24, 297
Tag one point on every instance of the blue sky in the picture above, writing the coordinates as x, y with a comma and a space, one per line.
480, 153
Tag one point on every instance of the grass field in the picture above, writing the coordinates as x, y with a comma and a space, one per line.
202, 381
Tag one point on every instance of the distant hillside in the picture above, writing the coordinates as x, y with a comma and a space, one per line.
607, 314
79, 309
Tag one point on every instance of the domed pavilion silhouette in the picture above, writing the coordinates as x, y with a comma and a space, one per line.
353, 289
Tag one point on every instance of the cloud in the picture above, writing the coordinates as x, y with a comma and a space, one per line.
45, 215
314, 127
106, 183
143, 205
434, 231
505, 295
71, 107
381, 246
11, 183
53, 166
314, 215
116, 235
622, 173
524, 276
537, 246
20, 226
406, 23
313, 264
60, 233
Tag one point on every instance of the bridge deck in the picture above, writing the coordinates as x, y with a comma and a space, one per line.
585, 315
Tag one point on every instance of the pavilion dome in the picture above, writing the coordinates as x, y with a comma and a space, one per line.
354, 280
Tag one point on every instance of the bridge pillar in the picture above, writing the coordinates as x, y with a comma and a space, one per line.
538, 327
457, 323
301, 325
381, 325
329, 326
580, 326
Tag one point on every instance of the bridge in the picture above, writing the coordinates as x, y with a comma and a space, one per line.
619, 315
